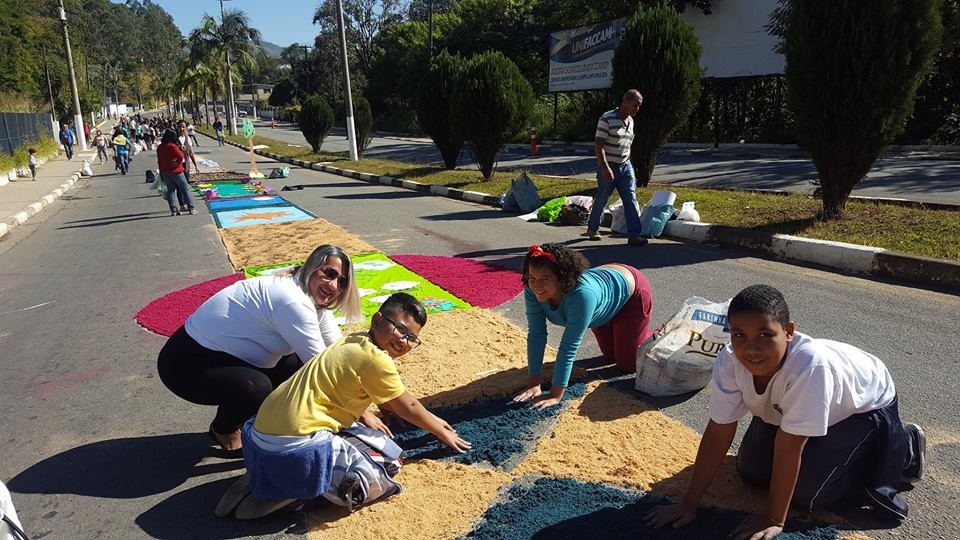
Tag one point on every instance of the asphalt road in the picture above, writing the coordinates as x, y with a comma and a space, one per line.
95, 447
925, 177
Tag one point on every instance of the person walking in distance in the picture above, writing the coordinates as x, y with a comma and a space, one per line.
615, 132
67, 138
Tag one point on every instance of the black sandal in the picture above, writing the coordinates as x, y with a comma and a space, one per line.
215, 437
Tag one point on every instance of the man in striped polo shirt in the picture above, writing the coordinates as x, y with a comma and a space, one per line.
615, 132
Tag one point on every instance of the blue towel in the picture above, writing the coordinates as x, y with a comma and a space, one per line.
302, 472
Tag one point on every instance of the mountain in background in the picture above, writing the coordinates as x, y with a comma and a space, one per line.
272, 49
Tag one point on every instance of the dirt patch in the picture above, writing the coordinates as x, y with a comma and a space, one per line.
217, 175
614, 438
466, 355
439, 500
282, 242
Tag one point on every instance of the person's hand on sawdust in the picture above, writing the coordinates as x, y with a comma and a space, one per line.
449, 437
528, 394
372, 421
676, 515
531, 391
756, 527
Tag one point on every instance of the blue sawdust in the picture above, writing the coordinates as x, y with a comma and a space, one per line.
561, 508
499, 430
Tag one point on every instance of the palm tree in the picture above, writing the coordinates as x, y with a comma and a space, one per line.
203, 78
233, 37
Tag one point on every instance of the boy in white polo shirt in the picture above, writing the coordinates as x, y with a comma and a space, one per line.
825, 426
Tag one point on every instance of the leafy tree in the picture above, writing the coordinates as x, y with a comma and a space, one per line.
363, 21
363, 121
403, 59
659, 55
283, 93
936, 114
491, 104
233, 39
852, 73
315, 120
434, 98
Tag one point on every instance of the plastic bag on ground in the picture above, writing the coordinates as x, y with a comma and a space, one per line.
654, 218
280, 172
619, 222
550, 210
680, 357
585, 201
688, 212
524, 194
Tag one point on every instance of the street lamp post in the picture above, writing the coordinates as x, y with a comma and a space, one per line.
351, 130
231, 107
77, 114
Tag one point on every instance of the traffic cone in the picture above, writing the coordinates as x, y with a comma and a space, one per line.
272, 125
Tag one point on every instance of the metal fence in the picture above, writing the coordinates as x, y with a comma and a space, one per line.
16, 129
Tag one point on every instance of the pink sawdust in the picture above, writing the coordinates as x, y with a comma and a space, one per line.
165, 314
481, 284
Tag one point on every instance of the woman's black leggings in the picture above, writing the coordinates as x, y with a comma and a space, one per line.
206, 377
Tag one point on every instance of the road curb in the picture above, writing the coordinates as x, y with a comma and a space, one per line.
855, 258
35, 208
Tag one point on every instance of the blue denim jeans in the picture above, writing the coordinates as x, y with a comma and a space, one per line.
625, 183
177, 190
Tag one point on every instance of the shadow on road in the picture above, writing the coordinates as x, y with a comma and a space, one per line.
123, 468
189, 514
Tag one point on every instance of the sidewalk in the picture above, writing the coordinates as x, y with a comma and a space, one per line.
23, 198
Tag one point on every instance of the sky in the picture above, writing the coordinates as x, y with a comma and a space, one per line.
282, 22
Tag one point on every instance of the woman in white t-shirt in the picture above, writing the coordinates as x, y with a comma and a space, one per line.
248, 338
826, 426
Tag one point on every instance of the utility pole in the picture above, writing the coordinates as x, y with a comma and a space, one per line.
77, 114
351, 130
305, 60
232, 111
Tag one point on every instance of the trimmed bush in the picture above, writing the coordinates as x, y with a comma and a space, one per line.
433, 106
492, 103
363, 122
659, 55
852, 74
315, 120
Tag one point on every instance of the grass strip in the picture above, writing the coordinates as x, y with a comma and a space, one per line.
926, 232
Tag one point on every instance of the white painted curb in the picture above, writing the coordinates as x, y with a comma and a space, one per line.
850, 257
473, 196
690, 230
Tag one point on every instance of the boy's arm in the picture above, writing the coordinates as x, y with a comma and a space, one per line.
409, 408
786, 466
714, 445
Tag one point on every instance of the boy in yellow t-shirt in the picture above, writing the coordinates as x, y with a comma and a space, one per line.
298, 446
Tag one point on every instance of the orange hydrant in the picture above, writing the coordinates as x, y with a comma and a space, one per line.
533, 141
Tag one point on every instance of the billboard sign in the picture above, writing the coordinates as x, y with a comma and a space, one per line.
582, 58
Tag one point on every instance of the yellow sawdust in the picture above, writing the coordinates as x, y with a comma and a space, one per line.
466, 355
439, 500
611, 437
281, 242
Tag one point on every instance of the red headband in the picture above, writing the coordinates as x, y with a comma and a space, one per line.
537, 251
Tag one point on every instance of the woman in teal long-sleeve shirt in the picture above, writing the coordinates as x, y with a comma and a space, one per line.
613, 300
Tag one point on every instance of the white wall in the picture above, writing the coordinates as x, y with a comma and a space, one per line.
735, 43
